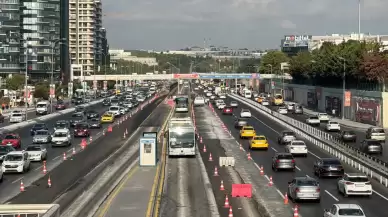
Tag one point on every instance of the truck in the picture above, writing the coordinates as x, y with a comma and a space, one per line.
181, 137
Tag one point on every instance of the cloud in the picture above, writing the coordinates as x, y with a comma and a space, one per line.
233, 23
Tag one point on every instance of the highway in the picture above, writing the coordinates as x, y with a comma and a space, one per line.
65, 174
361, 134
271, 130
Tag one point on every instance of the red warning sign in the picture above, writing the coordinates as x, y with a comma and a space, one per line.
241, 190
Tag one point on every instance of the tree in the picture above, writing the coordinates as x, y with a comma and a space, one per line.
16, 82
300, 66
41, 91
272, 61
374, 66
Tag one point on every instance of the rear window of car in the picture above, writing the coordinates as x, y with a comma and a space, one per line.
285, 157
259, 138
248, 128
331, 162
358, 179
307, 183
288, 134
377, 130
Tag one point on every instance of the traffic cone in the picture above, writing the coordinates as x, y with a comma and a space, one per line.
226, 204
222, 188
126, 131
74, 151
230, 212
204, 148
262, 170
124, 135
44, 167
103, 132
285, 198
200, 139
49, 182
210, 157
249, 156
215, 171
90, 138
82, 146
270, 183
296, 211
241, 148
21, 186
64, 156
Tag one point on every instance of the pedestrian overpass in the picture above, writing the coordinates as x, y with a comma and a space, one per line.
131, 77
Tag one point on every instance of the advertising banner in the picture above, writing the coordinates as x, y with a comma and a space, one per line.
348, 97
52, 90
105, 85
226, 76
147, 151
296, 40
186, 76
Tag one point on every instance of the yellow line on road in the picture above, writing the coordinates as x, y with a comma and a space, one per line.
108, 203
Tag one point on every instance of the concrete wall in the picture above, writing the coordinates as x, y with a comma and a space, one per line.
366, 106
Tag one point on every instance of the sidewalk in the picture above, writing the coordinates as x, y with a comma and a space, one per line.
132, 195
346, 122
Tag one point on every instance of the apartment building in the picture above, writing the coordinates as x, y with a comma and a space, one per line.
85, 41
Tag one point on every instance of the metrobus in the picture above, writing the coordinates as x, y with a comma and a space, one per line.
181, 137
181, 104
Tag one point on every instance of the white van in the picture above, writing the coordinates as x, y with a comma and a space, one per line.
42, 108
115, 110
16, 161
247, 94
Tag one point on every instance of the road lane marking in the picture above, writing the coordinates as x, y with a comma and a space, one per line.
38, 168
382, 196
314, 155
336, 199
17, 180
274, 149
298, 168
55, 158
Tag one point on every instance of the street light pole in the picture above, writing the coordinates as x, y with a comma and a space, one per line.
270, 85
343, 86
359, 20
25, 81
53, 44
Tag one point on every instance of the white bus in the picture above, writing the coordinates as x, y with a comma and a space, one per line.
182, 104
181, 137
247, 94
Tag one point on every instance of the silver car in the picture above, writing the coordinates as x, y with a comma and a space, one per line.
234, 104
304, 188
41, 137
286, 137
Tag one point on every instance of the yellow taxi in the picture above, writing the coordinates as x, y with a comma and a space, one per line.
259, 142
247, 132
260, 99
107, 118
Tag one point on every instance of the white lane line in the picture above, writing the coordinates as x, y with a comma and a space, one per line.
298, 168
55, 158
274, 149
308, 176
314, 155
382, 196
38, 168
336, 199
17, 180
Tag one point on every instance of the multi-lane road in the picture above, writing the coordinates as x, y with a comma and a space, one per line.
330, 195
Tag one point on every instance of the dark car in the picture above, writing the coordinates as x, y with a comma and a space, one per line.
348, 136
283, 161
62, 124
241, 122
92, 114
228, 110
81, 130
79, 101
371, 146
94, 123
331, 167
60, 105
106, 102
4, 150
73, 99
38, 126
77, 118
80, 109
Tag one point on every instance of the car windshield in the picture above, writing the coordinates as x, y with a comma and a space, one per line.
314, 118
16, 115
33, 148
38, 126
41, 105
113, 108
233, 102
92, 112
60, 125
259, 138
307, 183
94, 120
331, 162
298, 143
288, 134
13, 157
349, 133
248, 128
244, 110
10, 136
333, 122
278, 97
378, 130
42, 133
357, 179
350, 212
60, 134
81, 126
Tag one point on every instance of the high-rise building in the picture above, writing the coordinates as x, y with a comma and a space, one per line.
65, 56
85, 24
105, 49
9, 37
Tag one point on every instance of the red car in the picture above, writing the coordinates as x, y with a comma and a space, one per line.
228, 110
13, 140
81, 130
60, 106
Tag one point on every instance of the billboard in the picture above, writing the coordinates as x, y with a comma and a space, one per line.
186, 76
296, 40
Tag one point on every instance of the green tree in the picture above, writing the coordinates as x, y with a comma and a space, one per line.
300, 66
272, 61
374, 66
41, 92
16, 82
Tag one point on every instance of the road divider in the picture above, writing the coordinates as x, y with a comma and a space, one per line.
367, 164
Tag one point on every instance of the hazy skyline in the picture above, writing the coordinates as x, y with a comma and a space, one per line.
175, 24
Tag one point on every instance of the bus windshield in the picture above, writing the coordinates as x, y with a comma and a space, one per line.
181, 140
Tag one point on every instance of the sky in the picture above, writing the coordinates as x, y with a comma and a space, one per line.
253, 24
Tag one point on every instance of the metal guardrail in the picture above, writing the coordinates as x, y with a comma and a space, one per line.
373, 167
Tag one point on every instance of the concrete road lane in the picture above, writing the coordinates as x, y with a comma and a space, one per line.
329, 192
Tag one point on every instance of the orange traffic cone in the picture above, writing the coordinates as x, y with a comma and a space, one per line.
262, 170
210, 157
270, 183
230, 212
249, 156
226, 204
200, 140
124, 135
21, 186
285, 198
296, 211
222, 188
90, 138
44, 167
204, 148
74, 151
215, 171
49, 182
64, 156
241, 148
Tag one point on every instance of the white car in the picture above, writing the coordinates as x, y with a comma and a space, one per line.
199, 101
333, 126
219, 102
221, 106
212, 96
17, 117
234, 104
354, 184
115, 110
344, 210
208, 94
323, 117
205, 91
61, 137
313, 120
290, 106
36, 152
222, 96
297, 147
245, 113
196, 88
282, 110
122, 110
16, 161
128, 105
265, 102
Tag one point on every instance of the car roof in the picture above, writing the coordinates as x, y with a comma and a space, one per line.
344, 206
61, 131
16, 152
